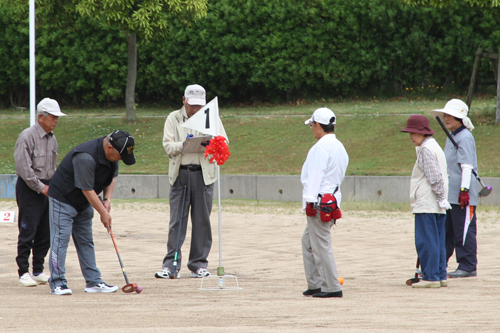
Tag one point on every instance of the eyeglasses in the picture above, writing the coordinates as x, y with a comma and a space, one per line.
311, 124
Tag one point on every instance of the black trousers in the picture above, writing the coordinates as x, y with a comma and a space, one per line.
466, 253
34, 230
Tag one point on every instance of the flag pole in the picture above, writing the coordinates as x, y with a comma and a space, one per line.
32, 62
220, 269
220, 223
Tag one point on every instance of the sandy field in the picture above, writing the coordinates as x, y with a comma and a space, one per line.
261, 246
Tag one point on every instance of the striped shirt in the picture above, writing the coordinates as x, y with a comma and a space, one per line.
35, 154
429, 164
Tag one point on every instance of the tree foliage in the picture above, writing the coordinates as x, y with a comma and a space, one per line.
255, 50
148, 18
446, 3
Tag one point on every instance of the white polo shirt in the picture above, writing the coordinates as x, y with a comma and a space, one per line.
324, 169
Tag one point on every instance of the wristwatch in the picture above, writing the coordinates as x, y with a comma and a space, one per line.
463, 189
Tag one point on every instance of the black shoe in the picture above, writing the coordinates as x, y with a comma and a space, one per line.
332, 294
310, 292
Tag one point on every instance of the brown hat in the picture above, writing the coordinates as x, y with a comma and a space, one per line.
418, 124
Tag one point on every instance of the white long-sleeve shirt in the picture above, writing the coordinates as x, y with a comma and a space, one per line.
324, 169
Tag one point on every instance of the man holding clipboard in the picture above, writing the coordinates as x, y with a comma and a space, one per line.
192, 179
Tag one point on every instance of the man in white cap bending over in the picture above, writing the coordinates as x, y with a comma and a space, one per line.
322, 173
197, 175
35, 154
463, 188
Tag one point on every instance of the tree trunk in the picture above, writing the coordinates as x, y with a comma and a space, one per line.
475, 70
131, 77
494, 63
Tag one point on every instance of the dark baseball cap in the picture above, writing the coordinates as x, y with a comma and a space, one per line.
124, 143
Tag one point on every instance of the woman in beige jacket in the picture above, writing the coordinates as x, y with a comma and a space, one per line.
428, 198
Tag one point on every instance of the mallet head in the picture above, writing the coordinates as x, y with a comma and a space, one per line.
485, 191
411, 281
130, 288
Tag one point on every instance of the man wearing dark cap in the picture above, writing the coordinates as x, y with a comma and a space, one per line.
85, 171
35, 154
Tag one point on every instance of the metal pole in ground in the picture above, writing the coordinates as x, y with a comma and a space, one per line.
220, 269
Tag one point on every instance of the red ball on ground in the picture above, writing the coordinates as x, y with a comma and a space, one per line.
139, 289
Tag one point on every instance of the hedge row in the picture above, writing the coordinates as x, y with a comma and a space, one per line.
255, 50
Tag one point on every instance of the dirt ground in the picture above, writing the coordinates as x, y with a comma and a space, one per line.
374, 251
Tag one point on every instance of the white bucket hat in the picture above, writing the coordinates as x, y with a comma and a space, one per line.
50, 106
323, 116
455, 108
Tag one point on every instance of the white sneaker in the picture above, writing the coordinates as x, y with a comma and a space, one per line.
200, 272
102, 288
27, 281
41, 278
61, 290
166, 273
427, 284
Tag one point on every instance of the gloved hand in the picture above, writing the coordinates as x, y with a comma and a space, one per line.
463, 199
187, 137
310, 210
444, 204
206, 143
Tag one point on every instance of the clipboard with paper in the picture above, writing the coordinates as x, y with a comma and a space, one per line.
193, 144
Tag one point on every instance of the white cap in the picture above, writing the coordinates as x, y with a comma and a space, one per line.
50, 106
195, 95
323, 116
455, 108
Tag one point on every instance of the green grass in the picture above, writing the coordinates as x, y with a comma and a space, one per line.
272, 139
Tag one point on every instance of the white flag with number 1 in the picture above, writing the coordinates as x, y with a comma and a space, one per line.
206, 120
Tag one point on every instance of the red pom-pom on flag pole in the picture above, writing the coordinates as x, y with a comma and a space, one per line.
218, 150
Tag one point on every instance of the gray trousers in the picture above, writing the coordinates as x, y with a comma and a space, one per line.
199, 197
317, 253
65, 221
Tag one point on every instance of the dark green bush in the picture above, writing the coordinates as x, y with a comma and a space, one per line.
14, 59
86, 66
260, 50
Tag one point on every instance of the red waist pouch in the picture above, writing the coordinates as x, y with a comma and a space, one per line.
329, 209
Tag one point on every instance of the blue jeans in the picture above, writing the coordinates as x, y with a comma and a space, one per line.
65, 222
430, 241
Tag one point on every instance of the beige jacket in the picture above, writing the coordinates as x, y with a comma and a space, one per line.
422, 199
173, 137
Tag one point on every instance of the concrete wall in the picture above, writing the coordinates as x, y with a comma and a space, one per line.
8, 186
274, 188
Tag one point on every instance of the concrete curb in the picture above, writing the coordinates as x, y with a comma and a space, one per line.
268, 187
